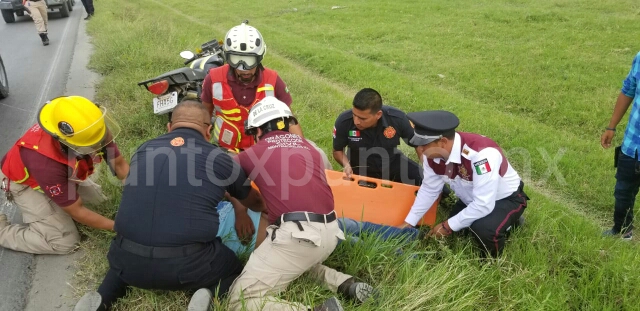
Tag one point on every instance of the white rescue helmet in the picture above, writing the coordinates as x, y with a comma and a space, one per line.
266, 110
244, 47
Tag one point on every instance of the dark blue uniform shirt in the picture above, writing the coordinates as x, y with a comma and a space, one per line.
174, 185
367, 147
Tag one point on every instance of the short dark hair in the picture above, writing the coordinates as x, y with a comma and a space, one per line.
186, 105
450, 134
368, 99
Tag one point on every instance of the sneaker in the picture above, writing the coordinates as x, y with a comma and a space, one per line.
331, 304
625, 236
200, 300
89, 302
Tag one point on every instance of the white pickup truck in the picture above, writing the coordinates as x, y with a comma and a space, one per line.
11, 7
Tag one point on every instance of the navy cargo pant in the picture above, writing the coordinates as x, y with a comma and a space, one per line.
214, 267
88, 6
626, 190
491, 231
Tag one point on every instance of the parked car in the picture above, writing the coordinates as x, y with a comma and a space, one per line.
9, 7
4, 81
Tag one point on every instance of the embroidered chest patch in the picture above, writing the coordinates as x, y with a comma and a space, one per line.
464, 174
389, 132
482, 167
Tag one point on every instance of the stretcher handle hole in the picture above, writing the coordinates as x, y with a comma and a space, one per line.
368, 184
386, 186
348, 178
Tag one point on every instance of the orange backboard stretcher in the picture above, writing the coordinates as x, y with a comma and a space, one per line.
375, 200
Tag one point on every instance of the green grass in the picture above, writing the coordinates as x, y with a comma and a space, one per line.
539, 77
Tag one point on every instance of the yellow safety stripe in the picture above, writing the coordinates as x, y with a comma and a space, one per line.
26, 176
265, 88
232, 118
230, 111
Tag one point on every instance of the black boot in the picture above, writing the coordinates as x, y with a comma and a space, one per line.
357, 291
45, 39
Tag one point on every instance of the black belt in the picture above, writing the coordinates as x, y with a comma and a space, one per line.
158, 252
297, 217
302, 216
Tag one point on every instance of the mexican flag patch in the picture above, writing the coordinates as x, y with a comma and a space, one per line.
482, 167
354, 133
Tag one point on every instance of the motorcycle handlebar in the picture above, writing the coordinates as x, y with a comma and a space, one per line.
199, 55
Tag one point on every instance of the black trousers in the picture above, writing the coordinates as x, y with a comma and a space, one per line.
491, 231
215, 267
402, 170
88, 6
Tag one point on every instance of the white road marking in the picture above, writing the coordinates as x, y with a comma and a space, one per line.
48, 79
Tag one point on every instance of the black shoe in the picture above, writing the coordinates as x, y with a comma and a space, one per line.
331, 304
358, 291
88, 17
45, 39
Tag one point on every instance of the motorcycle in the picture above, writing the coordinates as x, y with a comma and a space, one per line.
184, 83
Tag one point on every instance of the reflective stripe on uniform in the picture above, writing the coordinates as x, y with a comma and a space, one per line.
26, 176
268, 89
216, 128
216, 90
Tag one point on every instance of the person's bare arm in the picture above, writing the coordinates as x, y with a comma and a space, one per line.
622, 104
209, 107
253, 201
296, 129
85, 216
341, 158
121, 167
244, 226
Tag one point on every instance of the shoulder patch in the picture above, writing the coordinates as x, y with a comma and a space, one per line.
334, 132
482, 167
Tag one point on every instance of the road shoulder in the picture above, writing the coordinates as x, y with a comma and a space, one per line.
52, 287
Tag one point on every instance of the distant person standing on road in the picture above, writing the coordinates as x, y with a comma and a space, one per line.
627, 163
38, 12
88, 6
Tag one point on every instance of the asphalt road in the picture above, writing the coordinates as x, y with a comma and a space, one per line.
36, 74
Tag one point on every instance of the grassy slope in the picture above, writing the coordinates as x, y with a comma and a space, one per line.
540, 78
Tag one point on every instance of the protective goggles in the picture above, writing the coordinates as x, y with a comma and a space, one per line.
243, 62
